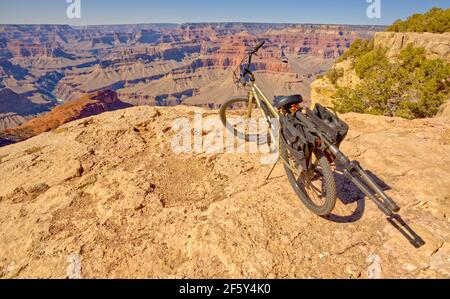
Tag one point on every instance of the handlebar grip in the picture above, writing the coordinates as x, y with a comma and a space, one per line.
258, 46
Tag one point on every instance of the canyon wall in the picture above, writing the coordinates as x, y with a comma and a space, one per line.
164, 64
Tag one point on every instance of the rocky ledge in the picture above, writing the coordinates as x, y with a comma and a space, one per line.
106, 196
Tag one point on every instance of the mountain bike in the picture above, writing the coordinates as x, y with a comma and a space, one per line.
307, 141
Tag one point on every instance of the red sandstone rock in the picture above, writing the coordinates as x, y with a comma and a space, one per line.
87, 105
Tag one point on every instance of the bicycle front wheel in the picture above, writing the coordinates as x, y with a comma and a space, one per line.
234, 115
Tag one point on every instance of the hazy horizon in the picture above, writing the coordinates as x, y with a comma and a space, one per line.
186, 23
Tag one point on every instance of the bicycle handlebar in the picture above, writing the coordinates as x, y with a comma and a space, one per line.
246, 70
256, 49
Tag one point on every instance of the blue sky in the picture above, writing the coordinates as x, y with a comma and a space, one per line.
181, 11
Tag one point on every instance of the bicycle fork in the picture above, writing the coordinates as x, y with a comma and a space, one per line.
359, 177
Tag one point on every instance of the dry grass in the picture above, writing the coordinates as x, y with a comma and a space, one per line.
34, 150
59, 130
2, 157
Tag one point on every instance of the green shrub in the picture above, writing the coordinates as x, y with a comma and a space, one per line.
347, 100
437, 20
372, 61
358, 48
432, 83
334, 74
412, 87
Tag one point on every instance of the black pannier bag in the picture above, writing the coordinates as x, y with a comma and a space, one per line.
330, 124
293, 138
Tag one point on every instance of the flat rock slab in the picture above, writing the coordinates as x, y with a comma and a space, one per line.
107, 197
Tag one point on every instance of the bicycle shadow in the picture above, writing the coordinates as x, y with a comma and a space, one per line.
349, 194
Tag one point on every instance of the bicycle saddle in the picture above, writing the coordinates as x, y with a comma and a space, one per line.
287, 101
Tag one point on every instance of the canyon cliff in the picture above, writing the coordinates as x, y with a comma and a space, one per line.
163, 64
86, 105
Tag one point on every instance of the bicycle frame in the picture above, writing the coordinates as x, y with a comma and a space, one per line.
257, 96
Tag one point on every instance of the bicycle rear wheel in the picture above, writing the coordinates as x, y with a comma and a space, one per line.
316, 188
